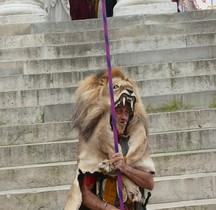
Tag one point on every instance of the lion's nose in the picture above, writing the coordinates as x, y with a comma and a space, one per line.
129, 91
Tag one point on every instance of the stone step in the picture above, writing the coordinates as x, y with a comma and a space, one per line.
28, 154
114, 22
180, 141
184, 188
173, 121
160, 122
193, 139
64, 112
36, 198
83, 64
207, 204
36, 176
177, 102
164, 55
55, 78
137, 45
160, 142
44, 174
176, 163
50, 96
122, 59
124, 34
37, 133
66, 151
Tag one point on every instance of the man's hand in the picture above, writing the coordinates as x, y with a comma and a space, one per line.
119, 162
141, 178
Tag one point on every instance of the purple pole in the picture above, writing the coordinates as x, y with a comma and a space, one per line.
108, 59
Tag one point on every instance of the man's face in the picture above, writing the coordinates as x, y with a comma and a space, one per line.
122, 116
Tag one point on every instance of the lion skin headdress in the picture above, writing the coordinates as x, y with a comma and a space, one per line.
92, 120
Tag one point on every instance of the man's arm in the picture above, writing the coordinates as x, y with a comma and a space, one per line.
90, 200
141, 178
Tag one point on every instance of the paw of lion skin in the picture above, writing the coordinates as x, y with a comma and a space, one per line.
135, 196
134, 193
106, 167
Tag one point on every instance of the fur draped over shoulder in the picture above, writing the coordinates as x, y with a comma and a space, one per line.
92, 120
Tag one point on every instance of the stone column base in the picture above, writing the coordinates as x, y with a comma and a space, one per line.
138, 7
22, 11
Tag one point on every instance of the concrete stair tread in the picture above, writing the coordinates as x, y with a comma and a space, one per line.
37, 175
125, 59
176, 162
78, 39
35, 190
184, 187
52, 81
171, 180
154, 104
36, 133
166, 86
58, 173
177, 55
183, 152
184, 176
174, 69
115, 22
180, 131
186, 205
68, 51
157, 178
71, 141
41, 165
184, 119
194, 139
172, 103
197, 122
154, 154
54, 66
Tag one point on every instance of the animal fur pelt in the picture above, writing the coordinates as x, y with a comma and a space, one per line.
92, 120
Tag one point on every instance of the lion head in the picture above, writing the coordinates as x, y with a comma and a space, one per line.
93, 101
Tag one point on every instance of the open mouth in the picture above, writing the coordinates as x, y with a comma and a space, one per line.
123, 123
126, 97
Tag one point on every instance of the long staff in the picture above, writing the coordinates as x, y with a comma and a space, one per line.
108, 59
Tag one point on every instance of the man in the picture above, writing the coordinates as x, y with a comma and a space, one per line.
141, 178
94, 186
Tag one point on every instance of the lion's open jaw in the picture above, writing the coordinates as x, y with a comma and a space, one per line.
126, 98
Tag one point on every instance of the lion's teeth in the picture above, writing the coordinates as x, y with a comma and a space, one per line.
117, 104
123, 101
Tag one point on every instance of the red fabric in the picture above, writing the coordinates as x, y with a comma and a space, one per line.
90, 180
79, 9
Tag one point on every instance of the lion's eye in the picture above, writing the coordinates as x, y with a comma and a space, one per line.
115, 87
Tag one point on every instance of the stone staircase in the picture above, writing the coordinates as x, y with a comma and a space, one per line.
171, 57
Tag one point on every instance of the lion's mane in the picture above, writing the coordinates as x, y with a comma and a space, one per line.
93, 101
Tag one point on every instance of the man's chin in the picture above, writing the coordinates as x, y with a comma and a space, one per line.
121, 129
